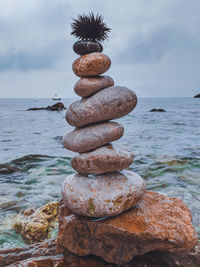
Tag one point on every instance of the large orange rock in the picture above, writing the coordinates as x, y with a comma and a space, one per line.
157, 223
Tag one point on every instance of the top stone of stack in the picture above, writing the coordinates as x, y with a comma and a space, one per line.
90, 30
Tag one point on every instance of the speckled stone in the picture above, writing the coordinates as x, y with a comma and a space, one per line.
93, 136
110, 103
89, 65
87, 47
102, 160
102, 195
88, 86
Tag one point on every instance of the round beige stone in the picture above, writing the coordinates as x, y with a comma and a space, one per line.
102, 160
110, 103
93, 136
92, 64
88, 86
103, 195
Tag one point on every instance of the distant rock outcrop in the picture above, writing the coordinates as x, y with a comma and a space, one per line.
197, 96
157, 110
56, 107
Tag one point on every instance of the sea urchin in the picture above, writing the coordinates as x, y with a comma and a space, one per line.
90, 27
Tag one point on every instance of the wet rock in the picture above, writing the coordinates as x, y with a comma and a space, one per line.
46, 254
89, 65
56, 107
197, 96
87, 47
93, 136
157, 223
88, 86
7, 169
36, 224
110, 103
16, 256
157, 110
102, 195
102, 160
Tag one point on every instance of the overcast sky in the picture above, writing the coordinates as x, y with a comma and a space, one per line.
154, 46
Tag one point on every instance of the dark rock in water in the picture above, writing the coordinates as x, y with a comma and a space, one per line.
197, 96
46, 254
87, 47
157, 110
56, 107
6, 169
22, 164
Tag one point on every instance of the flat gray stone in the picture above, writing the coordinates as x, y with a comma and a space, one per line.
102, 160
110, 103
93, 136
88, 86
102, 195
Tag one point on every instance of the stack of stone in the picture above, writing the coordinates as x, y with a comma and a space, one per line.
91, 199
100, 189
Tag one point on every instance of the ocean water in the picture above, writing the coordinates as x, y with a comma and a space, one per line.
166, 148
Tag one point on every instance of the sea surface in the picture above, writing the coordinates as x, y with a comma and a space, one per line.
166, 148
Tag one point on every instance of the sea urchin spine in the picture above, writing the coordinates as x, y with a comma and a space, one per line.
90, 27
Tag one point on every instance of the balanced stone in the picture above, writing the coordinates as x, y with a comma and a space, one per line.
92, 64
110, 103
102, 160
102, 195
93, 136
157, 223
86, 47
88, 86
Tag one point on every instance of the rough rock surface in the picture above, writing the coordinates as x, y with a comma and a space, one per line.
157, 223
88, 86
36, 224
86, 47
89, 65
157, 110
111, 103
56, 107
46, 254
93, 136
197, 96
102, 160
102, 195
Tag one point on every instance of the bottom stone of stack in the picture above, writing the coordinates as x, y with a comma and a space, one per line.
102, 195
157, 223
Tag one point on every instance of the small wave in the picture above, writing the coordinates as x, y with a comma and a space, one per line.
23, 164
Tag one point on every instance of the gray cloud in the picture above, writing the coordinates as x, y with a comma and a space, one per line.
153, 45
160, 43
43, 58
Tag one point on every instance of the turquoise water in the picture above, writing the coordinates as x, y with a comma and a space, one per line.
166, 148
